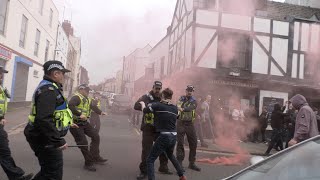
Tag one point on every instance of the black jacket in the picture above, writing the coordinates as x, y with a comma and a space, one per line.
277, 117
44, 131
147, 98
165, 116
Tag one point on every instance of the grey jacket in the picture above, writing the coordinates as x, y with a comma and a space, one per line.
306, 121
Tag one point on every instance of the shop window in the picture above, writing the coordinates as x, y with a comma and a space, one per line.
311, 65
234, 50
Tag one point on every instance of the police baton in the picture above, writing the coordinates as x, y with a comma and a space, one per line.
78, 145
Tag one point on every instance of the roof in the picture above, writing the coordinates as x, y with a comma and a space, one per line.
286, 12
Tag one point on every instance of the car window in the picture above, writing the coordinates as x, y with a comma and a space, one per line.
296, 164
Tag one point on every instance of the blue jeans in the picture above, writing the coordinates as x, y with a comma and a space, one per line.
164, 143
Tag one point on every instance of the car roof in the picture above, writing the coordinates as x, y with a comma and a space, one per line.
274, 156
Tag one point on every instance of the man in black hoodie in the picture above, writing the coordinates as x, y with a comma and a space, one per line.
277, 122
148, 131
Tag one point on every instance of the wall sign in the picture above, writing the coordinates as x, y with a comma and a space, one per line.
5, 53
234, 83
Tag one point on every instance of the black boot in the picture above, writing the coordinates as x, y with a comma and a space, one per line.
90, 168
193, 166
141, 176
100, 161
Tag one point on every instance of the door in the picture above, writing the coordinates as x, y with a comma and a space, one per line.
21, 82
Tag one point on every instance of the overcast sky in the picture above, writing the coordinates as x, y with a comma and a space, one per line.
111, 29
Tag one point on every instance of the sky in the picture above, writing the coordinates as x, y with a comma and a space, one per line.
111, 29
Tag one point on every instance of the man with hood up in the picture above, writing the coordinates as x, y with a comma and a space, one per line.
306, 122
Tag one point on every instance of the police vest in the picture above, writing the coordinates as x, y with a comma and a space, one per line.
84, 106
149, 117
3, 102
62, 115
186, 116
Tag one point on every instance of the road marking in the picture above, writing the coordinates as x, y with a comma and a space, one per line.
17, 129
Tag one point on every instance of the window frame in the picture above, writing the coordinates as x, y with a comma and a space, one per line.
23, 31
245, 65
3, 29
37, 42
41, 5
46, 53
50, 17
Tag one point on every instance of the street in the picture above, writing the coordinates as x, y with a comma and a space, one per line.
120, 143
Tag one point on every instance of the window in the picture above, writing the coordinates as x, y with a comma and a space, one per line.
205, 4
37, 42
47, 51
170, 62
3, 15
50, 18
23, 31
36, 73
311, 65
234, 50
41, 2
162, 67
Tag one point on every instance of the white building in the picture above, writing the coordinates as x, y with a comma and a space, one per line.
119, 82
62, 46
76, 43
309, 3
259, 56
134, 68
28, 32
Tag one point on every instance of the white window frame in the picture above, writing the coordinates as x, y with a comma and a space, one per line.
3, 16
23, 31
37, 42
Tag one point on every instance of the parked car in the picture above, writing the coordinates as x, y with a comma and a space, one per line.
301, 161
121, 103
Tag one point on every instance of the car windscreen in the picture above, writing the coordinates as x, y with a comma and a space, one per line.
121, 98
301, 163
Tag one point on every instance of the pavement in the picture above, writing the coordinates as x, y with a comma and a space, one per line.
120, 143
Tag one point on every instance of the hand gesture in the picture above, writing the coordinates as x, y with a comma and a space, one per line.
3, 122
143, 105
83, 117
75, 126
64, 147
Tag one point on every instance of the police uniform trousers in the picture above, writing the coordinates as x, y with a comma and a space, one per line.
186, 128
148, 137
50, 158
6, 161
79, 135
95, 121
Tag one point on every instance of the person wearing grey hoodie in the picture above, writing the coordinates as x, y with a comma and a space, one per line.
306, 122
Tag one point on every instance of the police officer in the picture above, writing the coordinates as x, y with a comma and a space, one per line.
81, 106
95, 118
148, 132
187, 105
49, 122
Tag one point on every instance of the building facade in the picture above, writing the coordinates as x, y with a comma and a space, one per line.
259, 56
308, 3
110, 85
134, 68
119, 83
28, 32
62, 46
84, 76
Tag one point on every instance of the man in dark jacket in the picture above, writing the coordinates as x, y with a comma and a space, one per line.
185, 126
263, 123
277, 122
81, 105
165, 125
148, 131
43, 132
306, 123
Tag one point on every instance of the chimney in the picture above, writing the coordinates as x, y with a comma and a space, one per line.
68, 29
